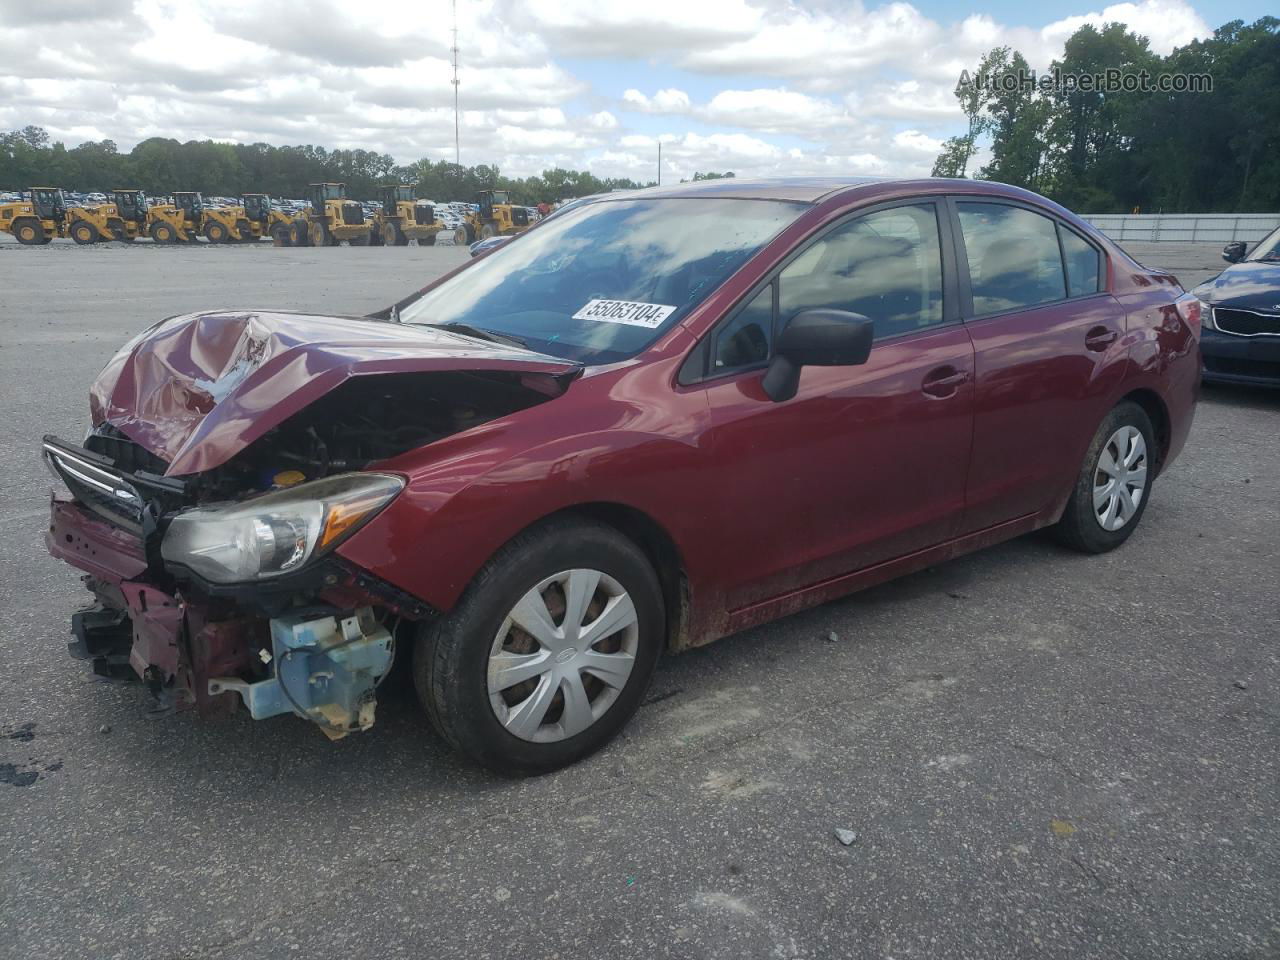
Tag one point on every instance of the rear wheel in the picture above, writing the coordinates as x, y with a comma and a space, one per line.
244, 229
549, 651
83, 232
29, 232
1114, 484
163, 233
460, 237
302, 234
488, 231
282, 235
216, 232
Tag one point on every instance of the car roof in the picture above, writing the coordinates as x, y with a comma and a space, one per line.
804, 189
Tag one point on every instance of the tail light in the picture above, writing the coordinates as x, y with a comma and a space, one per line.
1192, 311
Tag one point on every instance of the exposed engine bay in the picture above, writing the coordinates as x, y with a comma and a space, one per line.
274, 621
363, 421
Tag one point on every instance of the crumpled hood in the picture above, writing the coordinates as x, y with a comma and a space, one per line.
195, 390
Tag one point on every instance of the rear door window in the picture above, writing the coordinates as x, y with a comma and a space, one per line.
1013, 255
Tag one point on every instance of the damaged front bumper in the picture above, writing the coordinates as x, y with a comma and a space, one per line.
315, 643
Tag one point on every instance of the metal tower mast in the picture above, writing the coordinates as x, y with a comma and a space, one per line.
457, 148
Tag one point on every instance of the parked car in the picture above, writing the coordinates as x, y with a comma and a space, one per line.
610, 440
487, 244
1241, 341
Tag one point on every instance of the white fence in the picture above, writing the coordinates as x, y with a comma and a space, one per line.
1186, 227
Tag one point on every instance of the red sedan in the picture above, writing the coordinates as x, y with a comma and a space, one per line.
656, 419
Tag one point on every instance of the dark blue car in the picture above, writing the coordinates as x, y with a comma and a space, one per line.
1241, 339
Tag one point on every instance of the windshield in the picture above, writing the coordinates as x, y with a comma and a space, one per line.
1268, 249
599, 283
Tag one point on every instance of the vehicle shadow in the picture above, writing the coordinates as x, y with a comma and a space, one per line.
406, 760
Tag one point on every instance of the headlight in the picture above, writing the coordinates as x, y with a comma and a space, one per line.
276, 533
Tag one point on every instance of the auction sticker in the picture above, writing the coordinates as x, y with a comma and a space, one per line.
625, 311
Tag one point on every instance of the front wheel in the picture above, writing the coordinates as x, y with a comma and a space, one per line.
1114, 484
163, 233
549, 651
84, 233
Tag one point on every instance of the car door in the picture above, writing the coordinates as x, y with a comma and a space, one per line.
1049, 353
865, 463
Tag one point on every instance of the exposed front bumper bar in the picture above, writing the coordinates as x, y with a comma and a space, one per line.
209, 650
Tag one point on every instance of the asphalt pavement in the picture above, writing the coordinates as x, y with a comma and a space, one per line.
1041, 754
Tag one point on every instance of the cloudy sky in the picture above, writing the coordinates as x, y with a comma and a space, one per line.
754, 86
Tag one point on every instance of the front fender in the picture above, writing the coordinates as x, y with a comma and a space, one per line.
622, 437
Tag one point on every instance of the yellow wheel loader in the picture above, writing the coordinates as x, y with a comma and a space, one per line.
247, 222
123, 219
497, 217
264, 220
401, 219
179, 221
330, 219
37, 219
224, 225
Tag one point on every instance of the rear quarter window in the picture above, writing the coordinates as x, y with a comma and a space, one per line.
1084, 264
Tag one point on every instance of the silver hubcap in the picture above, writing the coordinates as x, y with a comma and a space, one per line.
562, 655
1120, 478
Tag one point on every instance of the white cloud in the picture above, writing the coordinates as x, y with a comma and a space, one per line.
1166, 23
664, 101
782, 86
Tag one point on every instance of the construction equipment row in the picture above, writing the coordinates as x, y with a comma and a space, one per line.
330, 219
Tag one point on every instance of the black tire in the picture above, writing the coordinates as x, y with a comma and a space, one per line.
451, 657
301, 238
245, 231
216, 232
83, 232
1080, 527
323, 237
282, 235
30, 233
163, 233
488, 231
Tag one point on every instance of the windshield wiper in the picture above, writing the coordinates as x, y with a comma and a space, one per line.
467, 330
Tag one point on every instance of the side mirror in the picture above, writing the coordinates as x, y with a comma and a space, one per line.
1234, 251
816, 338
